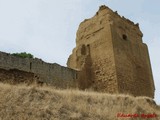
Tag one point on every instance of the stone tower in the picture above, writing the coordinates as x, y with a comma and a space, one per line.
111, 57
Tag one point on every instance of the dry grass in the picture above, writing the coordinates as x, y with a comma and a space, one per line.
43, 103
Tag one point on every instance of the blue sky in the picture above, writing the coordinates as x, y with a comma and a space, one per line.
47, 28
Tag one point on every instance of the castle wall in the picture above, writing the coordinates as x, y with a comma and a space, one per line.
14, 76
109, 56
131, 58
95, 35
35, 70
102, 56
118, 59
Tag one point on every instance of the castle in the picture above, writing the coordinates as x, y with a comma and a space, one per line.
109, 57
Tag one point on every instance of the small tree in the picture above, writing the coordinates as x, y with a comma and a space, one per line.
23, 55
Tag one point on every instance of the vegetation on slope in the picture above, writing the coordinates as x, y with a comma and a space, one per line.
20, 102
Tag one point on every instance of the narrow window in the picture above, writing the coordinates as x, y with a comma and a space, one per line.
124, 37
30, 65
83, 50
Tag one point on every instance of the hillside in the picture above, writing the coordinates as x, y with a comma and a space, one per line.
20, 102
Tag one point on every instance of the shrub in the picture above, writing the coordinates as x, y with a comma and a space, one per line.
23, 55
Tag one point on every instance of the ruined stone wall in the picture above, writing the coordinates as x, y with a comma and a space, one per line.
109, 56
14, 76
119, 60
131, 58
95, 34
14, 69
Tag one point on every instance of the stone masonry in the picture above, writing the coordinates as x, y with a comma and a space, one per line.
26, 70
111, 56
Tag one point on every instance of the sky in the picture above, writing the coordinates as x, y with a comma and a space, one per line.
47, 28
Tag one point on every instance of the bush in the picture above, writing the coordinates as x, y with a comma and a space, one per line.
23, 55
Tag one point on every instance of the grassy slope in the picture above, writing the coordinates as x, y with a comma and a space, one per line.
33, 103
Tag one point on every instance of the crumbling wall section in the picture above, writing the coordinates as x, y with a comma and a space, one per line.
25, 69
131, 58
96, 34
119, 60
14, 76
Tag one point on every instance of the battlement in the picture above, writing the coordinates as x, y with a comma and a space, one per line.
103, 10
103, 7
106, 18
